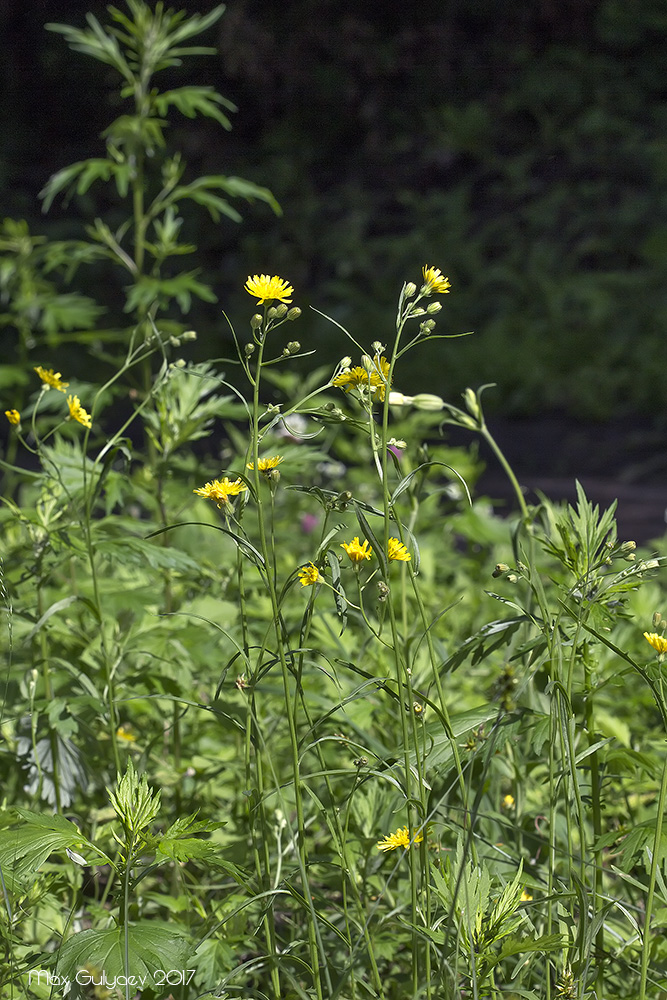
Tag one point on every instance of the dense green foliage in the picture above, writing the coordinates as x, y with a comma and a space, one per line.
524, 145
285, 711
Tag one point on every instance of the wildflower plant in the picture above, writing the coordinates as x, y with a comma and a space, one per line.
403, 748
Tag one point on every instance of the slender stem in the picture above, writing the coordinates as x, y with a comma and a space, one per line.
509, 472
317, 954
655, 861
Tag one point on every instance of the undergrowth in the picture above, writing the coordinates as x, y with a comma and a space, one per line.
287, 711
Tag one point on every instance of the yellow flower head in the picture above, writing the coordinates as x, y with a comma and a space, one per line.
50, 378
309, 575
435, 281
267, 288
14, 417
508, 802
399, 839
356, 551
77, 412
352, 378
658, 642
526, 896
221, 490
373, 378
397, 550
266, 464
124, 732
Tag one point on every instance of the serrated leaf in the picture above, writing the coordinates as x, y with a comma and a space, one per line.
517, 946
192, 101
147, 290
151, 948
25, 848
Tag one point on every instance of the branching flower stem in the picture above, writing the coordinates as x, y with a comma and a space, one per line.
318, 958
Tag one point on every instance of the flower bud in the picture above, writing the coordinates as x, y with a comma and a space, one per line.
418, 311
472, 404
409, 290
175, 341
334, 412
281, 310
500, 569
418, 709
433, 307
180, 363
511, 578
345, 362
378, 348
189, 335
293, 347
256, 321
272, 313
628, 547
248, 350
427, 326
428, 401
657, 619
398, 399
294, 313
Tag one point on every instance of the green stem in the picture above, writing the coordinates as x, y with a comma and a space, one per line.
507, 468
317, 954
655, 861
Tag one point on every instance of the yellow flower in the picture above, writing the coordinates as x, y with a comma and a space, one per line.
266, 464
434, 281
374, 378
125, 732
397, 550
356, 551
14, 417
658, 642
352, 378
77, 412
309, 575
380, 377
508, 802
50, 378
526, 896
399, 839
267, 288
221, 490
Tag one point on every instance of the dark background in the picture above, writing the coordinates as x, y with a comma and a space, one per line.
521, 148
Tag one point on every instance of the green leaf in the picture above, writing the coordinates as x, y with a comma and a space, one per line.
152, 947
378, 549
193, 101
338, 590
490, 637
79, 177
96, 43
148, 290
25, 848
59, 606
200, 190
519, 945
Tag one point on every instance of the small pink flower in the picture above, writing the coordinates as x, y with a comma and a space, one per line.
308, 523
